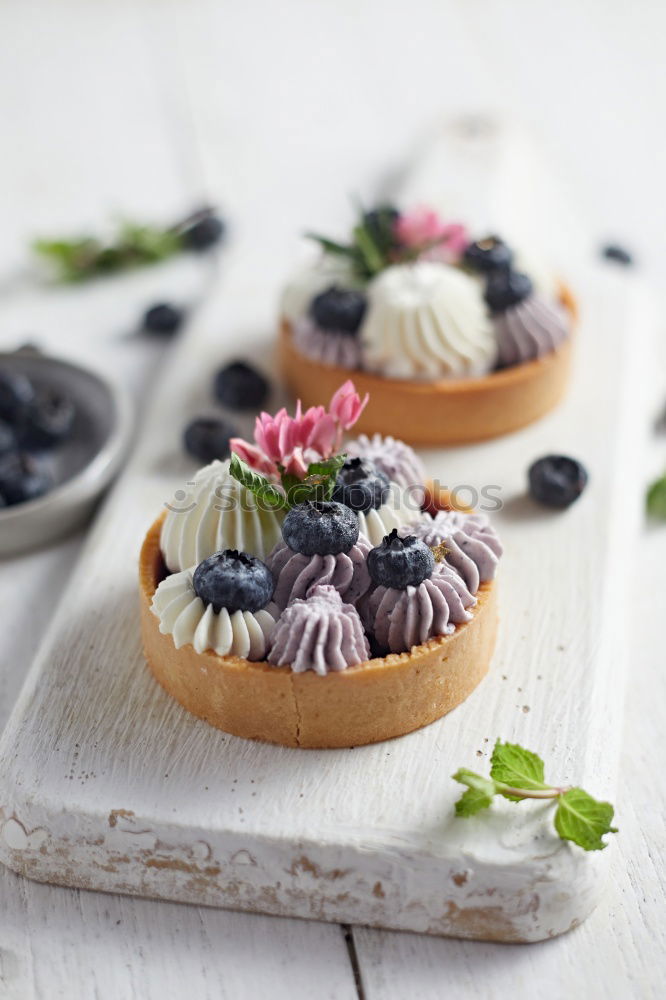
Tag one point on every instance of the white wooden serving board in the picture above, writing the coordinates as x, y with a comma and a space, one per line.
107, 783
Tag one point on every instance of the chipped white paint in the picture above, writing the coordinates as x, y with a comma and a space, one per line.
129, 787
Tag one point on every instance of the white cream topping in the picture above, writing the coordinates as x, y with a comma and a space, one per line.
214, 512
311, 279
185, 617
426, 321
374, 524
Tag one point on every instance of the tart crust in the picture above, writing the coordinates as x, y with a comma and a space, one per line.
372, 701
444, 412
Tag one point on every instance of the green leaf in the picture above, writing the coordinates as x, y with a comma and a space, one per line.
656, 499
327, 466
583, 820
330, 246
512, 765
372, 257
257, 484
479, 794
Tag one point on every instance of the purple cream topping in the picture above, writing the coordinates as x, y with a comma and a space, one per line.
295, 574
327, 346
319, 633
474, 548
401, 619
529, 330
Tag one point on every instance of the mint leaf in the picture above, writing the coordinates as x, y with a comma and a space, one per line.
479, 794
327, 466
372, 258
330, 246
257, 484
656, 499
512, 765
583, 820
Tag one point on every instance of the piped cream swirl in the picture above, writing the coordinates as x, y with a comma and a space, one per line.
474, 548
311, 279
401, 619
392, 457
295, 574
215, 512
529, 330
319, 633
327, 346
426, 321
185, 617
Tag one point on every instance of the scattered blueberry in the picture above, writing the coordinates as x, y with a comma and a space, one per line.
163, 318
339, 309
556, 480
400, 562
240, 386
7, 437
320, 528
16, 391
361, 485
506, 288
203, 231
233, 580
47, 420
21, 478
489, 254
614, 252
207, 438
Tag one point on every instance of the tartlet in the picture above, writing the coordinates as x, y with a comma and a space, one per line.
453, 342
422, 599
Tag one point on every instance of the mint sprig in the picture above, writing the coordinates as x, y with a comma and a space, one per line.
318, 484
517, 774
134, 244
258, 485
373, 245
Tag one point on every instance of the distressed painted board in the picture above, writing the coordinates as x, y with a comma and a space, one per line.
106, 783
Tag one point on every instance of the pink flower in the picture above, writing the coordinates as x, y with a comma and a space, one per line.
275, 436
346, 405
296, 464
422, 227
315, 430
253, 456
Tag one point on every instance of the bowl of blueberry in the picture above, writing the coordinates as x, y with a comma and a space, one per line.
64, 431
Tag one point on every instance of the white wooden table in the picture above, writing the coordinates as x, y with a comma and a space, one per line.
279, 111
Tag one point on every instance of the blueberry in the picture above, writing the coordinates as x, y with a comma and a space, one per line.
163, 318
240, 386
203, 231
489, 254
339, 309
614, 252
321, 528
21, 478
556, 480
16, 391
361, 485
47, 420
233, 580
207, 438
400, 562
7, 437
506, 288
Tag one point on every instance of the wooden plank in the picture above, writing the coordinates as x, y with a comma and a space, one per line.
107, 783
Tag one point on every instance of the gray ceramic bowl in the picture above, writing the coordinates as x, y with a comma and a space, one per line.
81, 467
